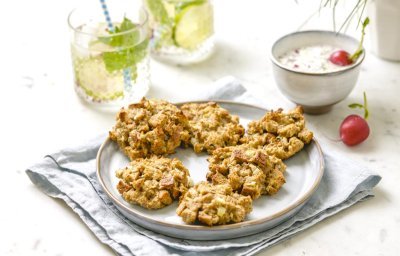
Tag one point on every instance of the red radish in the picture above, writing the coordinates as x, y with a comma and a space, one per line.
343, 58
340, 58
354, 129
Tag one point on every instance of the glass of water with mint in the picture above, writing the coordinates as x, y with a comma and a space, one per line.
182, 30
110, 56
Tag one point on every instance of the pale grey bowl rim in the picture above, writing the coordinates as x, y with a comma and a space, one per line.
276, 62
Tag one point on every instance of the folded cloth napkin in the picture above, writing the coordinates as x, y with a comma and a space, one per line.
71, 176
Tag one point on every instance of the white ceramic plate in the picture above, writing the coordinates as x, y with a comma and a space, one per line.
303, 174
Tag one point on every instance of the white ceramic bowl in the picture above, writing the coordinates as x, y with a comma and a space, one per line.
316, 92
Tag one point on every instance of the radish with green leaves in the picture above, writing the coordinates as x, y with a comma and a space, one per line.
354, 129
343, 58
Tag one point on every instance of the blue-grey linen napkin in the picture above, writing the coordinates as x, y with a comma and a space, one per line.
71, 176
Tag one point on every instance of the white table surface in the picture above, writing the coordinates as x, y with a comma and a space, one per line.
41, 114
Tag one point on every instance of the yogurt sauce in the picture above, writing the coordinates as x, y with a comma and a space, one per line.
311, 59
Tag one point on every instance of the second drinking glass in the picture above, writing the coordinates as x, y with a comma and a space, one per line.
182, 30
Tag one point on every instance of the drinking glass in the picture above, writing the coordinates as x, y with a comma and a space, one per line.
182, 30
110, 55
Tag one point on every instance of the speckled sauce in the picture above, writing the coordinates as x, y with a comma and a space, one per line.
312, 59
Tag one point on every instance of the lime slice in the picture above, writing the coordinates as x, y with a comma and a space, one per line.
92, 76
194, 24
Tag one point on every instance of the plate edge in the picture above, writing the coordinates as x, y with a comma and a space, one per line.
247, 223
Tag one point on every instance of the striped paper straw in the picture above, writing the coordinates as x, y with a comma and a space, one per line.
107, 15
127, 75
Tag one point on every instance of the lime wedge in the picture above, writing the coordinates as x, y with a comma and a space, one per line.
92, 76
194, 24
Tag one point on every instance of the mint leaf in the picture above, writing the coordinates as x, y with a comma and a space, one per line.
126, 54
111, 39
126, 39
132, 37
125, 58
116, 60
158, 11
139, 52
126, 25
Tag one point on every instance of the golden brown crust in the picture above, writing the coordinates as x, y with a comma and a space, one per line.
248, 170
211, 126
279, 133
153, 182
150, 127
274, 182
238, 173
213, 205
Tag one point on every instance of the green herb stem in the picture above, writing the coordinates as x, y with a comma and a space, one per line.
360, 50
366, 112
362, 106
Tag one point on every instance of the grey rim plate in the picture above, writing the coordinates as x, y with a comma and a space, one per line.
303, 175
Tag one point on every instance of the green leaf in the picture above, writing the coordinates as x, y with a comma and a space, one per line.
356, 105
126, 25
365, 106
111, 39
125, 39
158, 11
127, 54
125, 58
129, 38
139, 52
365, 23
184, 4
116, 60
